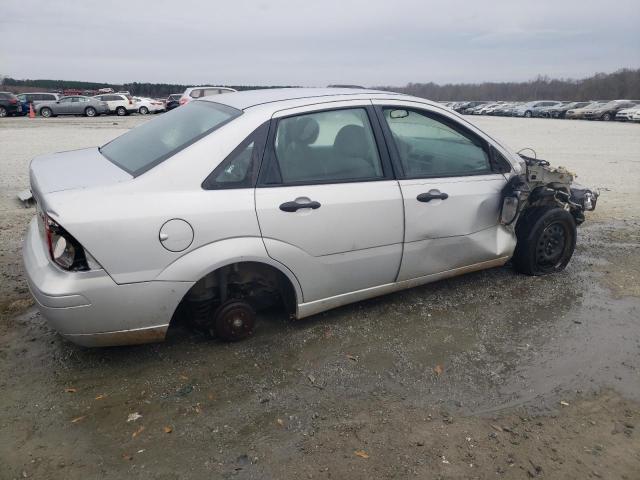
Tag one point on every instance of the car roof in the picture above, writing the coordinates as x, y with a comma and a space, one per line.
251, 98
212, 86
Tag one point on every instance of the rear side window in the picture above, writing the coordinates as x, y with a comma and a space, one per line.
429, 147
146, 146
197, 93
240, 168
325, 147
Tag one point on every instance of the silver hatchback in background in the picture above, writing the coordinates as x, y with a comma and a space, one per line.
304, 198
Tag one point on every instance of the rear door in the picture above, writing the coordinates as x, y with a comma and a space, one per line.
451, 186
327, 203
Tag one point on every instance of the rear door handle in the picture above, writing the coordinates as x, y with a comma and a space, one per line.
294, 206
432, 195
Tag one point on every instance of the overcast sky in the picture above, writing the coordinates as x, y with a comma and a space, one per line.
315, 43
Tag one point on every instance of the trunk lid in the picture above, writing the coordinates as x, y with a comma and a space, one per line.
71, 170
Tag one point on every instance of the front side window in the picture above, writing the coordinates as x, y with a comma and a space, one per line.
427, 147
328, 146
66, 100
146, 146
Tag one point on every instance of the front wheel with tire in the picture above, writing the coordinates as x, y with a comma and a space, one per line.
528, 114
233, 320
3, 112
546, 239
90, 112
121, 111
46, 112
606, 117
143, 110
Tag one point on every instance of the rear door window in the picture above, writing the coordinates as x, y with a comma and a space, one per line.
325, 147
147, 145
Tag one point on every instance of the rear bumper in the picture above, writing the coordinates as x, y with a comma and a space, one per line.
90, 309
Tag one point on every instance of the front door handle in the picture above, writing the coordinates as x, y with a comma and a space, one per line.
432, 195
294, 206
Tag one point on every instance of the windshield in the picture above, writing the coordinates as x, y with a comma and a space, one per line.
148, 145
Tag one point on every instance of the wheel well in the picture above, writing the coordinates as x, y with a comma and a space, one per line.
259, 284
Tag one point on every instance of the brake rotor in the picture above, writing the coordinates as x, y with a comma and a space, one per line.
234, 320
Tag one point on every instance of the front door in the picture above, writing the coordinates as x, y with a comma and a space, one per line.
64, 106
327, 204
452, 195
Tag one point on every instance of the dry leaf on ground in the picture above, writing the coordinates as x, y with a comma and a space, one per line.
361, 454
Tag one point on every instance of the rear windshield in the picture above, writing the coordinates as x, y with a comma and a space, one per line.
148, 145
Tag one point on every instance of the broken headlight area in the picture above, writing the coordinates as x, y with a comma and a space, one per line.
542, 185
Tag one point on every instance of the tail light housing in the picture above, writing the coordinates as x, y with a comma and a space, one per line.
183, 101
64, 250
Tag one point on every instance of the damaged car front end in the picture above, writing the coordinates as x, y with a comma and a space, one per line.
544, 206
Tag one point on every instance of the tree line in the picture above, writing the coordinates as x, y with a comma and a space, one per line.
624, 83
155, 90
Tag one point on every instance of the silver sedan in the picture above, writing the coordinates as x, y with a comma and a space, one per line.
72, 105
306, 199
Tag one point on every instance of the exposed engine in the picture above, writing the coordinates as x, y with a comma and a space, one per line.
543, 184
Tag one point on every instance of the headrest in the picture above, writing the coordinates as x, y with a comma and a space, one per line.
351, 141
304, 130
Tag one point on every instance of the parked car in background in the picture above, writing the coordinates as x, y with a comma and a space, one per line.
172, 101
543, 111
9, 104
559, 111
148, 105
282, 207
608, 110
578, 113
467, 108
527, 110
119, 103
33, 98
193, 93
636, 117
73, 105
627, 113
504, 109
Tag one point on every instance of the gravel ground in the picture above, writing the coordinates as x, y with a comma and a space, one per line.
488, 375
